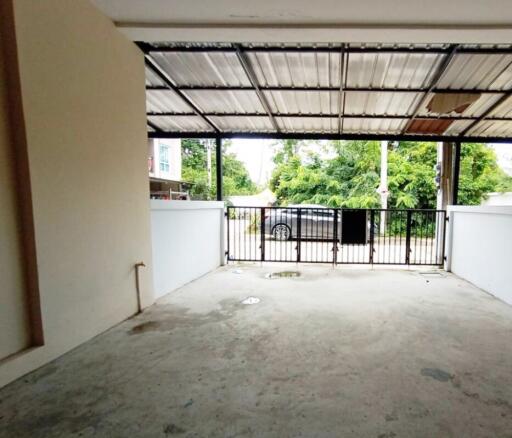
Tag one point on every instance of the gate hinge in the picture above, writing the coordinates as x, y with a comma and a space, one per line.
447, 219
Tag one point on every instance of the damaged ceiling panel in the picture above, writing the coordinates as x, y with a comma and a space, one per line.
422, 90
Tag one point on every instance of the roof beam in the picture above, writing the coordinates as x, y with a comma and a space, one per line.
164, 77
326, 116
317, 89
153, 126
246, 65
329, 136
333, 48
440, 71
341, 96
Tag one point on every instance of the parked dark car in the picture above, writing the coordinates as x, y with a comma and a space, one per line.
316, 222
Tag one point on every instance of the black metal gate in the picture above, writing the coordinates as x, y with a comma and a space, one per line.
336, 235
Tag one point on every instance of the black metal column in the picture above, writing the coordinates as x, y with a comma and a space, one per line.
456, 174
218, 159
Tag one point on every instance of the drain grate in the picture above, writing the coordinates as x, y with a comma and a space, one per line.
251, 300
283, 274
431, 274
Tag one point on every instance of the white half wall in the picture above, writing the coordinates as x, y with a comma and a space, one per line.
480, 247
188, 241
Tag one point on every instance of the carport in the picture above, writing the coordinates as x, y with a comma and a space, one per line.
451, 93
117, 318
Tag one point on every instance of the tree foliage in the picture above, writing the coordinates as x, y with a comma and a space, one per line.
350, 175
236, 179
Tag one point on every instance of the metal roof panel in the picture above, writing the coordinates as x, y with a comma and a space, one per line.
242, 124
232, 101
375, 103
303, 102
160, 101
196, 68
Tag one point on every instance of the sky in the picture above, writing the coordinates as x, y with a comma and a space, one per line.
257, 157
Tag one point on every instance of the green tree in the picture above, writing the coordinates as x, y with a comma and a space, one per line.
236, 179
352, 176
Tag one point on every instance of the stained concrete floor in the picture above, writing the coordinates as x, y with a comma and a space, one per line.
334, 353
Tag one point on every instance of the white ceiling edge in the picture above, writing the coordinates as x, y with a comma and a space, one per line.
317, 33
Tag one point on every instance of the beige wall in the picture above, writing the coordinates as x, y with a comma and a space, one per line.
82, 89
14, 317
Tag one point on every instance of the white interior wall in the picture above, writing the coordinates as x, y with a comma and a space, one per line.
82, 88
187, 241
480, 248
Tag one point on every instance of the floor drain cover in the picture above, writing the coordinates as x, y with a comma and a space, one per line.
431, 274
283, 274
251, 300
237, 271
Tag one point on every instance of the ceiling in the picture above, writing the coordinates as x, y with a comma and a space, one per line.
415, 21
441, 69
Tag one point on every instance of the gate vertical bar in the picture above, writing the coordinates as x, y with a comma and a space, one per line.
372, 236
299, 233
228, 231
218, 163
335, 238
408, 238
456, 174
262, 233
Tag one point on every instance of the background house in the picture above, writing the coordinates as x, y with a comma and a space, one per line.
164, 165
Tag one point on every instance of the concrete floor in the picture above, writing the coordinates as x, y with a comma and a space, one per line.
334, 353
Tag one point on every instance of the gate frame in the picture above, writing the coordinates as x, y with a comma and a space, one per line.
440, 235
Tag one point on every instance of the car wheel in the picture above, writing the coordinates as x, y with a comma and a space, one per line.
281, 232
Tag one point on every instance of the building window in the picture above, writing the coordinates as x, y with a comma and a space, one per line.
164, 158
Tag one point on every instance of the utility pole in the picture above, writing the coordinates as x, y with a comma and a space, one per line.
383, 187
209, 162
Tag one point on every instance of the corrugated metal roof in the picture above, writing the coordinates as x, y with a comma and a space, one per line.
160, 101
216, 101
194, 68
297, 69
303, 102
404, 70
372, 68
377, 126
488, 128
309, 124
152, 78
375, 103
467, 71
242, 124
504, 110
